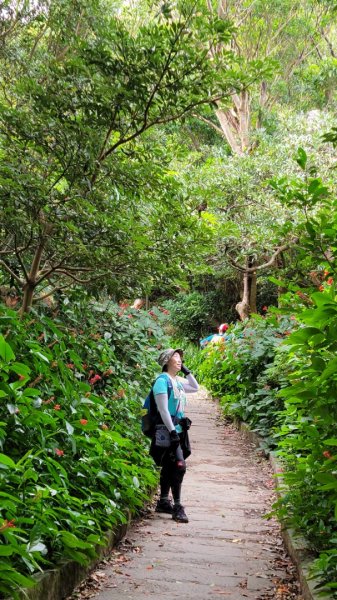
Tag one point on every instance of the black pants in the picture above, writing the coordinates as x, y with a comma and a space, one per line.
173, 468
172, 473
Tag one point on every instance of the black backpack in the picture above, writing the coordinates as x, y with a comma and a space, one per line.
150, 411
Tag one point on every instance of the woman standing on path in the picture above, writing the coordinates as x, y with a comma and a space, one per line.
170, 397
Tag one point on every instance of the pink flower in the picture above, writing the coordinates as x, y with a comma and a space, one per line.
264, 308
83, 421
57, 407
94, 379
59, 452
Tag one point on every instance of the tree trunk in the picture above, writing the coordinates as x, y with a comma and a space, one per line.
228, 133
235, 123
28, 294
253, 292
32, 279
243, 307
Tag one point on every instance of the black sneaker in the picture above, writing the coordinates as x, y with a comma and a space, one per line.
179, 514
164, 506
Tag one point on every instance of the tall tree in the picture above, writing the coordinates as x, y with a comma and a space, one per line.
79, 91
271, 40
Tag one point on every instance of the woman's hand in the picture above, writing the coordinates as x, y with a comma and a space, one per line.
185, 370
175, 439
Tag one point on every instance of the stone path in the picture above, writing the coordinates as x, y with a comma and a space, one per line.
227, 549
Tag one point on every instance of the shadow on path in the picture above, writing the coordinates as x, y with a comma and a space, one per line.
227, 550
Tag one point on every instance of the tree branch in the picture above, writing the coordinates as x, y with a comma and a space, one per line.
210, 123
82, 281
269, 263
9, 270
18, 256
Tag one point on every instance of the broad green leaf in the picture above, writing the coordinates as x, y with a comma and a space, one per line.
6, 352
6, 460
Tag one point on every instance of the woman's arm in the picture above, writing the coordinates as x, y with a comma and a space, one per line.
162, 405
190, 384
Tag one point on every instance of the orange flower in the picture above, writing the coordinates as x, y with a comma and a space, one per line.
57, 407
83, 421
330, 281
107, 373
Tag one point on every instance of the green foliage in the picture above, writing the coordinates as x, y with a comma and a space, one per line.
190, 314
85, 196
241, 371
306, 434
72, 460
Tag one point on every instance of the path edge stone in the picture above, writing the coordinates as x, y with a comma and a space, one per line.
59, 582
296, 546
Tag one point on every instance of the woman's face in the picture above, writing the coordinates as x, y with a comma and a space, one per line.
174, 364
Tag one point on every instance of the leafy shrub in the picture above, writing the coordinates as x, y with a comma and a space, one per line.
72, 458
241, 371
190, 315
307, 434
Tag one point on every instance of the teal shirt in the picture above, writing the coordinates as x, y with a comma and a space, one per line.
160, 387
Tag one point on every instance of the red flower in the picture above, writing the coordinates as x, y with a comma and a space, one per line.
94, 379
83, 421
57, 407
321, 288
326, 273
330, 281
264, 308
130, 316
59, 452
70, 365
7, 524
123, 304
327, 454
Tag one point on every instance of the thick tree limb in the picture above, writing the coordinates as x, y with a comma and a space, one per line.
269, 263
